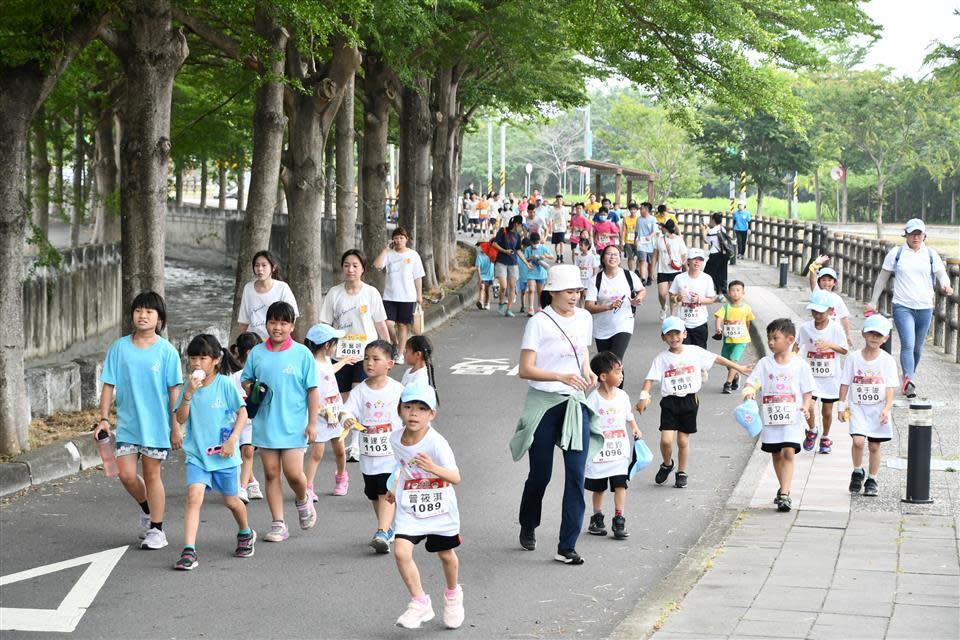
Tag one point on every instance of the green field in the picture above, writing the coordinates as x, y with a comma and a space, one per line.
771, 206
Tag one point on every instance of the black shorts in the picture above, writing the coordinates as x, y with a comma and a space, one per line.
679, 413
349, 375
697, 336
826, 400
375, 486
601, 484
870, 438
775, 447
557, 237
434, 542
401, 312
666, 277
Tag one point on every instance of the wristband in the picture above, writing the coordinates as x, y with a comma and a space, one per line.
645, 395
107, 420
814, 268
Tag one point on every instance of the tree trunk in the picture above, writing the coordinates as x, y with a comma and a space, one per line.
178, 183
41, 172
150, 52
843, 195
346, 176
268, 125
817, 195
79, 171
330, 176
759, 199
57, 131
203, 184
442, 180
222, 185
953, 206
379, 92
457, 164
416, 133
880, 180
241, 182
106, 204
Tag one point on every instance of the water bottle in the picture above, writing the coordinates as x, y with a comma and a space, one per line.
108, 455
496, 290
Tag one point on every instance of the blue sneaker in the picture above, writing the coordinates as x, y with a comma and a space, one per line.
390, 534
380, 542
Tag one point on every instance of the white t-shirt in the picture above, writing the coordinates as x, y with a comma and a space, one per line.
867, 382
780, 390
838, 308
425, 503
713, 241
913, 281
331, 403
355, 314
419, 376
678, 251
607, 324
376, 409
680, 374
588, 265
824, 365
616, 421
553, 350
402, 271
558, 219
254, 305
692, 314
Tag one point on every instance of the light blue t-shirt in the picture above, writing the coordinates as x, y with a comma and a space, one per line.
288, 374
213, 412
141, 379
741, 220
539, 271
484, 266
645, 226
522, 272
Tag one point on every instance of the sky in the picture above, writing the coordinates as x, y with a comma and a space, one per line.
909, 29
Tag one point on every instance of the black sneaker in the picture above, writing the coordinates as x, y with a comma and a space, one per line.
727, 388
856, 480
663, 472
188, 560
785, 503
568, 556
870, 488
620, 528
681, 480
597, 527
736, 382
528, 539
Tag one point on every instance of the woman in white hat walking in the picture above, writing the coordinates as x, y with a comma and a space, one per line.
917, 269
554, 359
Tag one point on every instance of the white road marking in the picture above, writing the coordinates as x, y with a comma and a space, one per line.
66, 617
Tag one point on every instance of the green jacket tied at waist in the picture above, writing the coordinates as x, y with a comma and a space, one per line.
538, 403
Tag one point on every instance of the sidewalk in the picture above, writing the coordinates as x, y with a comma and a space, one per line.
837, 566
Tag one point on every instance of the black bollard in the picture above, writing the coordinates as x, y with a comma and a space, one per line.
784, 261
918, 453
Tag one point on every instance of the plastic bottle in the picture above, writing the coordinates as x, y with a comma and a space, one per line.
108, 454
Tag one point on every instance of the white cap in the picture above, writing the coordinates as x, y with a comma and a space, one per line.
820, 301
914, 224
562, 277
420, 392
693, 254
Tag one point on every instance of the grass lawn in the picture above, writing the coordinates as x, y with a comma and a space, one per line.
771, 206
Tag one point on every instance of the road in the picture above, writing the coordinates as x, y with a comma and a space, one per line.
327, 583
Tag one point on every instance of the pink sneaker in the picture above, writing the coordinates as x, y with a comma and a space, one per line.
341, 483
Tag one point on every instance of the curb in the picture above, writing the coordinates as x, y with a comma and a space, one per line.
656, 606
65, 458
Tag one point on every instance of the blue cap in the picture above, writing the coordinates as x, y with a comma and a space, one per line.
827, 271
322, 333
419, 392
820, 301
673, 323
877, 324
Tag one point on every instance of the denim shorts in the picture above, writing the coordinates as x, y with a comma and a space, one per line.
226, 481
127, 449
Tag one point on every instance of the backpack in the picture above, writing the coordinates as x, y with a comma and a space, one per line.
726, 245
629, 276
933, 273
487, 248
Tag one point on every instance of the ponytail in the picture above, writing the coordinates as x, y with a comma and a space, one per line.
228, 364
422, 345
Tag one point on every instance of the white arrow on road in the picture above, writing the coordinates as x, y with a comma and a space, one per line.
66, 617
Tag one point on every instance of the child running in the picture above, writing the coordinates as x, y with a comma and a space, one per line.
825, 279
143, 371
610, 467
426, 473
733, 327
679, 370
869, 381
418, 353
484, 276
785, 385
588, 262
539, 256
249, 487
372, 409
286, 420
321, 340
820, 340
213, 415
693, 291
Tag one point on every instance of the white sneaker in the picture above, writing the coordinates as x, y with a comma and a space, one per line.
353, 454
415, 615
663, 313
242, 494
155, 539
453, 610
253, 491
143, 525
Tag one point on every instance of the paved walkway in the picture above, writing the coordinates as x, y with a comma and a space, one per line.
838, 566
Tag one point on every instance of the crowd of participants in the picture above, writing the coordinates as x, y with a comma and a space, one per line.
579, 275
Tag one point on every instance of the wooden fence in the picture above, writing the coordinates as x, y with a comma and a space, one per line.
856, 259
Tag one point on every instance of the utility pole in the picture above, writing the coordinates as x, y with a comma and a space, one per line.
503, 159
489, 156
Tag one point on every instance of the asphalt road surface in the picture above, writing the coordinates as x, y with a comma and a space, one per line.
328, 583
